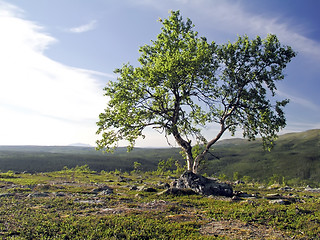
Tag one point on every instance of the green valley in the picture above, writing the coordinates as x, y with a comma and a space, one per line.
295, 158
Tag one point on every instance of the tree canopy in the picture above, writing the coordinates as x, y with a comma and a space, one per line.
184, 83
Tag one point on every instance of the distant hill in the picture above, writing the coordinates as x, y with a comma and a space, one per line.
52, 158
295, 156
79, 145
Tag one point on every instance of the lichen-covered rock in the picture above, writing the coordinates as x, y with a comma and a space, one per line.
202, 185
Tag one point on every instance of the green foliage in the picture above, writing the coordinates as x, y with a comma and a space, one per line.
276, 179
9, 174
236, 176
136, 167
184, 83
78, 169
179, 168
247, 179
222, 177
165, 166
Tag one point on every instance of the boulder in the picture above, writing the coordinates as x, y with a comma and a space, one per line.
202, 185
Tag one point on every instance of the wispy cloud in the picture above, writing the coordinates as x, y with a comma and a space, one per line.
97, 73
84, 28
300, 127
300, 101
232, 17
42, 101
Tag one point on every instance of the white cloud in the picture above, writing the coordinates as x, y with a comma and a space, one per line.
300, 101
84, 28
300, 127
42, 101
233, 18
97, 73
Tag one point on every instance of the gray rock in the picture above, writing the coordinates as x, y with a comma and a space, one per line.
309, 189
6, 195
274, 196
60, 194
239, 182
280, 201
178, 191
244, 195
162, 185
171, 178
202, 185
134, 187
286, 188
236, 198
39, 194
102, 189
106, 192
124, 179
147, 189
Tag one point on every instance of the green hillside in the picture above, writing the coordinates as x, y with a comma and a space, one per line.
294, 156
53, 158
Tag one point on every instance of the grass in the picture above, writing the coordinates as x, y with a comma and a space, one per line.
78, 213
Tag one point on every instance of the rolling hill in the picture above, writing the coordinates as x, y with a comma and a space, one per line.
294, 156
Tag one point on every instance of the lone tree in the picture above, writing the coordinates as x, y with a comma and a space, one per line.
184, 83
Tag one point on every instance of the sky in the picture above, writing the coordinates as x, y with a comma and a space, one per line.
57, 56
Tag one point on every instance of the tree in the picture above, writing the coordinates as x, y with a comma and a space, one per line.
184, 83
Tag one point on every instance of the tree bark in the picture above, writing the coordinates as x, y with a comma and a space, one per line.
200, 157
186, 147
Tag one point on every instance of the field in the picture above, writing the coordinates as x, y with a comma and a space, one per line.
79, 203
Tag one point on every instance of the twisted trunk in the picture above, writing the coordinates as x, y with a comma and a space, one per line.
201, 156
186, 147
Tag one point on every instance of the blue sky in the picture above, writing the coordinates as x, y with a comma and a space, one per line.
56, 56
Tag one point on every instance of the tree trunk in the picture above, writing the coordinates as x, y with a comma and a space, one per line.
197, 161
201, 156
186, 147
189, 159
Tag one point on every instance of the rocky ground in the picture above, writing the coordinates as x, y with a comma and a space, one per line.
250, 213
